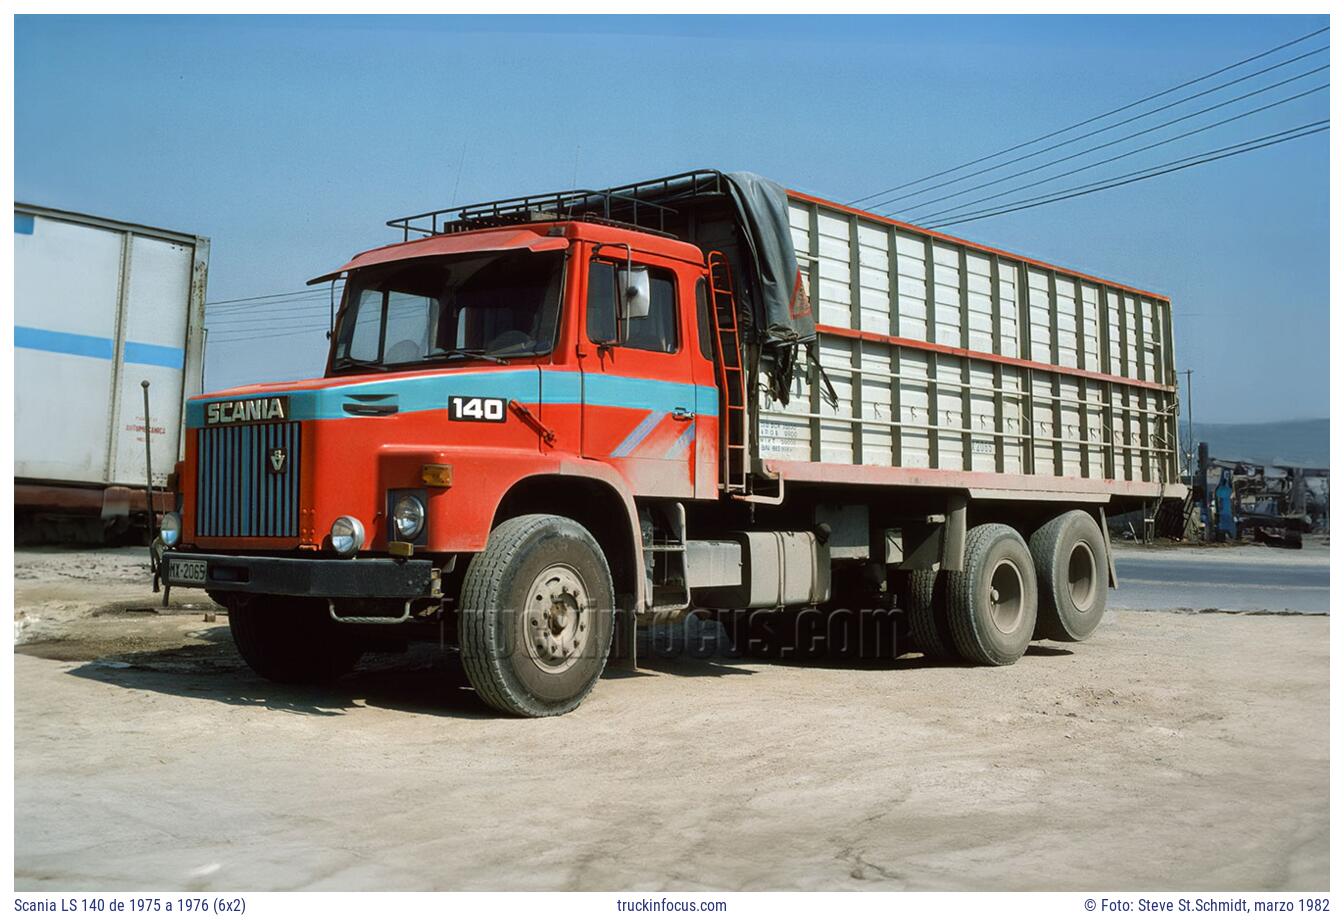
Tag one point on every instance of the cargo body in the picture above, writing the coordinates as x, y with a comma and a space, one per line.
100, 306
548, 419
948, 358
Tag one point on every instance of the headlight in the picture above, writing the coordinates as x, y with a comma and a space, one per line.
347, 535
170, 528
408, 517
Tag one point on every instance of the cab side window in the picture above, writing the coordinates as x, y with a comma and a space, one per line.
655, 332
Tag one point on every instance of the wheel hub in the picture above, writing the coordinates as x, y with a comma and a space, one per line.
1006, 607
1082, 575
555, 620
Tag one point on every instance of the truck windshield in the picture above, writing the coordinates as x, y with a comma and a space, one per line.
497, 305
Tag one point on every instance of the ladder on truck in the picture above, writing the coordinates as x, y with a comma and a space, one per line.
732, 378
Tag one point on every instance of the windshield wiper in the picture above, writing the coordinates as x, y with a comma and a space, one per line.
342, 363
464, 353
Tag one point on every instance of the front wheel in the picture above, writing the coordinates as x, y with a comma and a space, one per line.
536, 617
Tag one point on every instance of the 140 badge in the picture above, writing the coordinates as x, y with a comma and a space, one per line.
476, 408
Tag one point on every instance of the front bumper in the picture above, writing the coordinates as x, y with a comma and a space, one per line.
373, 578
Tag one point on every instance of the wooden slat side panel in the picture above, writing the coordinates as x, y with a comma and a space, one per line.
949, 357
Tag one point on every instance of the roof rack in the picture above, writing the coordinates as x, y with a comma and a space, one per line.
641, 205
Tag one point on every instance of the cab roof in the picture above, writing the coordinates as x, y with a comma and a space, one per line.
542, 236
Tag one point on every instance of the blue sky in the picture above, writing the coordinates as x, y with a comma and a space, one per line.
290, 140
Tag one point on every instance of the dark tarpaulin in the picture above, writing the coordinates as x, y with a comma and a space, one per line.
784, 322
784, 312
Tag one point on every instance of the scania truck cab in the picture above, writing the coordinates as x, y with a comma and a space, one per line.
548, 419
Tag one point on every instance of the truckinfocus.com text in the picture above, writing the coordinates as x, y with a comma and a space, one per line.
652, 905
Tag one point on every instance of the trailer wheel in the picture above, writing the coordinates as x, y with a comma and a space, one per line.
1070, 556
925, 599
290, 640
992, 602
536, 616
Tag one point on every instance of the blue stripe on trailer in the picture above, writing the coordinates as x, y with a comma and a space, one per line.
157, 355
97, 346
63, 343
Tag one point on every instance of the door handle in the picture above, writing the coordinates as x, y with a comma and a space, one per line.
682, 414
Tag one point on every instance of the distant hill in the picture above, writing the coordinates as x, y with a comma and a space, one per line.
1303, 442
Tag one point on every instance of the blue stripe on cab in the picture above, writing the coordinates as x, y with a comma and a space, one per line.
157, 355
23, 223
431, 392
63, 343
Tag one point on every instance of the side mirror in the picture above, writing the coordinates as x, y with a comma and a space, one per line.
634, 287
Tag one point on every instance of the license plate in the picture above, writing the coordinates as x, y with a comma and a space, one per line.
186, 571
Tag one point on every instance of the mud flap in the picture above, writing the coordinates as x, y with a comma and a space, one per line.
1110, 556
624, 641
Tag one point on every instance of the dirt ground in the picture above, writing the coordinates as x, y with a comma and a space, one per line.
1173, 751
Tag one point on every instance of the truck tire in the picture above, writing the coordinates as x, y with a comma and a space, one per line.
991, 604
1070, 556
925, 598
536, 616
290, 640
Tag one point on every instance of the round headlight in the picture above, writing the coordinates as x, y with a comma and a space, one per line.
170, 528
408, 517
347, 535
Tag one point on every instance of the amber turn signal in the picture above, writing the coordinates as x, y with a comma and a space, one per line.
437, 474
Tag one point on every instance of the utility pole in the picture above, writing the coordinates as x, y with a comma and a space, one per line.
1190, 424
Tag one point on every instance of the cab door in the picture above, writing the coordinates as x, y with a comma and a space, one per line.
639, 393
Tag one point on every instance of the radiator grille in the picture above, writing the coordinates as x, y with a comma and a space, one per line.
238, 492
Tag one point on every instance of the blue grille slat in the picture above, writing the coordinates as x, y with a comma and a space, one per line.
264, 505
237, 494
249, 480
231, 470
293, 481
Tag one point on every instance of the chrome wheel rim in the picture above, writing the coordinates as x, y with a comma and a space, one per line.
556, 620
1006, 597
1082, 576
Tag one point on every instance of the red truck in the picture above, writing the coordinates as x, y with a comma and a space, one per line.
546, 420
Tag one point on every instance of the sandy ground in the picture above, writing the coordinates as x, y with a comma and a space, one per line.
1173, 751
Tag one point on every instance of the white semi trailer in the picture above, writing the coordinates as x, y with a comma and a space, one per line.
100, 307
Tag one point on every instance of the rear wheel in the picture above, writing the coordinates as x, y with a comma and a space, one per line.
1069, 554
536, 617
992, 602
926, 606
290, 640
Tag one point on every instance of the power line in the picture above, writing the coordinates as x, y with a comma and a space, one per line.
1138, 175
215, 303
1121, 140
1119, 156
1088, 121
1117, 181
311, 311
282, 327
1227, 102
267, 335
261, 305
1195, 156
